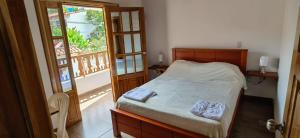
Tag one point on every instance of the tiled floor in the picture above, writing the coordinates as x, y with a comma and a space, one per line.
90, 98
251, 119
96, 120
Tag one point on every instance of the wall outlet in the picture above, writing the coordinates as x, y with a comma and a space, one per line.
239, 44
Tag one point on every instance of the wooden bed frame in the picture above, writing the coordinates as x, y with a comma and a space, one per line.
142, 127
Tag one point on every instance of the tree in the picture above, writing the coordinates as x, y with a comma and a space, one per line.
76, 39
97, 36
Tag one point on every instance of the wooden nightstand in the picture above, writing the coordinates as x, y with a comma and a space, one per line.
255, 73
159, 69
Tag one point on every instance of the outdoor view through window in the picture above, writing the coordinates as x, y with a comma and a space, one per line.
87, 45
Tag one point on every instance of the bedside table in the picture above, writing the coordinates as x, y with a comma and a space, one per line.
159, 69
255, 73
262, 76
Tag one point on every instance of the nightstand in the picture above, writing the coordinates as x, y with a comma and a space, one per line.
255, 73
262, 76
159, 69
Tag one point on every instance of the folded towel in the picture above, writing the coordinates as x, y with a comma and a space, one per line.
208, 110
139, 94
200, 107
214, 111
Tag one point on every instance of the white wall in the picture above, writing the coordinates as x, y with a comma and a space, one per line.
92, 81
256, 24
288, 41
215, 24
156, 29
129, 3
37, 40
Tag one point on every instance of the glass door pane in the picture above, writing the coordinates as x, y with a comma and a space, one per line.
130, 64
120, 65
126, 40
137, 43
127, 43
139, 63
135, 20
65, 79
54, 21
60, 52
125, 21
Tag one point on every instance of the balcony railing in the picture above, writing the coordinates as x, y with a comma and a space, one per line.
89, 63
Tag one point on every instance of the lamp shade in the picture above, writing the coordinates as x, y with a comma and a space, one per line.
264, 61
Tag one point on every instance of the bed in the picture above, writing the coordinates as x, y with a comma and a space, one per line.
167, 114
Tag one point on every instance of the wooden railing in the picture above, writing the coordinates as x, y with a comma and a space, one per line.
89, 63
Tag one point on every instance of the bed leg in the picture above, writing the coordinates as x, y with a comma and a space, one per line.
117, 133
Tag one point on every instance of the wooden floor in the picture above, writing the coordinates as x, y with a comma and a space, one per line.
96, 120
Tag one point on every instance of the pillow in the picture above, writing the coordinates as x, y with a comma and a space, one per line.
212, 71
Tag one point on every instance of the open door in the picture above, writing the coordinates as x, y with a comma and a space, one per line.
127, 50
290, 127
58, 57
292, 118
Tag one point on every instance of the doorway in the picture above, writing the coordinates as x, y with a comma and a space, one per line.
83, 39
86, 35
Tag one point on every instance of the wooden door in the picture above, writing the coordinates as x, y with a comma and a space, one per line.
23, 106
125, 31
292, 118
59, 58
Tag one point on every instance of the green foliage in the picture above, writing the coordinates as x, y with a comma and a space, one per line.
96, 41
65, 9
76, 39
52, 10
76, 9
56, 31
95, 17
96, 45
97, 37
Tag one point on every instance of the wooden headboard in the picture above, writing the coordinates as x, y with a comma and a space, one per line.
234, 56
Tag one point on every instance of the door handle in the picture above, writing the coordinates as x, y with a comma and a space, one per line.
273, 126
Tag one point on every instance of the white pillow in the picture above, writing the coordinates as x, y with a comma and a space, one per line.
212, 71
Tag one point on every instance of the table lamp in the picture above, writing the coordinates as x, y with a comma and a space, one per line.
263, 63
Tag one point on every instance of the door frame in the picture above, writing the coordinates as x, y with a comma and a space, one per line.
28, 90
44, 30
291, 92
50, 54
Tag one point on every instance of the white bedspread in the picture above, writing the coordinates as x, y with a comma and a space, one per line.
181, 86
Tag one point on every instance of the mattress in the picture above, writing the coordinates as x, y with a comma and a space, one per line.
181, 86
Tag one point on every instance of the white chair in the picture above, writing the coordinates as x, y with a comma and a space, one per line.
61, 102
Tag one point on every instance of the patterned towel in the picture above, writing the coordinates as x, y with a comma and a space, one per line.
208, 110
